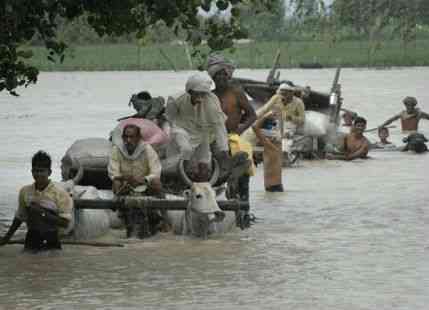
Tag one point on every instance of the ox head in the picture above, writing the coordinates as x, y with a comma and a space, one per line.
203, 210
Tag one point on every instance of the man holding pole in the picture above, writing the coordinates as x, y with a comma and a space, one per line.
410, 117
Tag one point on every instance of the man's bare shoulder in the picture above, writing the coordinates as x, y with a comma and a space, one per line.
237, 88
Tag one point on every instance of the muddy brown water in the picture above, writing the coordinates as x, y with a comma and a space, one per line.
344, 235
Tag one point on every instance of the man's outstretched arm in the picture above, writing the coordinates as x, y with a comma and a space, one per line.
424, 115
391, 120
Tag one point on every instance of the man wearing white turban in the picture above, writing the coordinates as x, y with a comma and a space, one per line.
196, 118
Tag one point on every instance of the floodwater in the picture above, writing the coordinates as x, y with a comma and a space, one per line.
344, 235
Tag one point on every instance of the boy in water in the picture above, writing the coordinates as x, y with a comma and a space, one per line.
383, 134
356, 145
45, 208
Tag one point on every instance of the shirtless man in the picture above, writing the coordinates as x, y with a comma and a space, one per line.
356, 145
410, 117
240, 114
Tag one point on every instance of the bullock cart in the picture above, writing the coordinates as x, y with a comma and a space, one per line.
191, 208
137, 212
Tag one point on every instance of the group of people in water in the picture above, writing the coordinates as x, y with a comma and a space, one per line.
409, 118
202, 123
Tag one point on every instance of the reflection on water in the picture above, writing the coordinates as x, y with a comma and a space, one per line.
344, 234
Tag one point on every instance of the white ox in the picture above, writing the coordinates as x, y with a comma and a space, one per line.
90, 224
203, 216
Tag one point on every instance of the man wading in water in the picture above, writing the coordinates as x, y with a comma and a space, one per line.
356, 145
410, 117
240, 114
46, 209
271, 141
278, 121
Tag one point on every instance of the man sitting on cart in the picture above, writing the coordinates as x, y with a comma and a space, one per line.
197, 120
134, 166
135, 169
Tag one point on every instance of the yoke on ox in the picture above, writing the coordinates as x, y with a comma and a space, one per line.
192, 210
199, 215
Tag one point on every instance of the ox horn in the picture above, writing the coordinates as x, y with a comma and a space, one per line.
213, 179
215, 173
183, 174
79, 175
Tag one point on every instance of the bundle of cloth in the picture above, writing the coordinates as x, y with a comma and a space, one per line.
151, 133
416, 142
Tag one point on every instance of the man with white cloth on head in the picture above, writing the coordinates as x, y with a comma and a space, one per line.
289, 109
197, 120
134, 166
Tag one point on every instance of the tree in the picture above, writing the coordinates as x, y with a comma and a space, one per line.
374, 19
21, 20
267, 25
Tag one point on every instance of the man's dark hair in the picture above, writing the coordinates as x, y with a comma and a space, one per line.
135, 127
41, 159
144, 95
410, 100
359, 120
383, 129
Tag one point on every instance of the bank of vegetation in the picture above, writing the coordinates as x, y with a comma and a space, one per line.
147, 35
309, 34
165, 56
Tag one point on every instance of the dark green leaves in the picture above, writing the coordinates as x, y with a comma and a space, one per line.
222, 5
21, 21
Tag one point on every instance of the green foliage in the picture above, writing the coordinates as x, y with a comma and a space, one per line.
22, 20
372, 20
265, 25
348, 53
